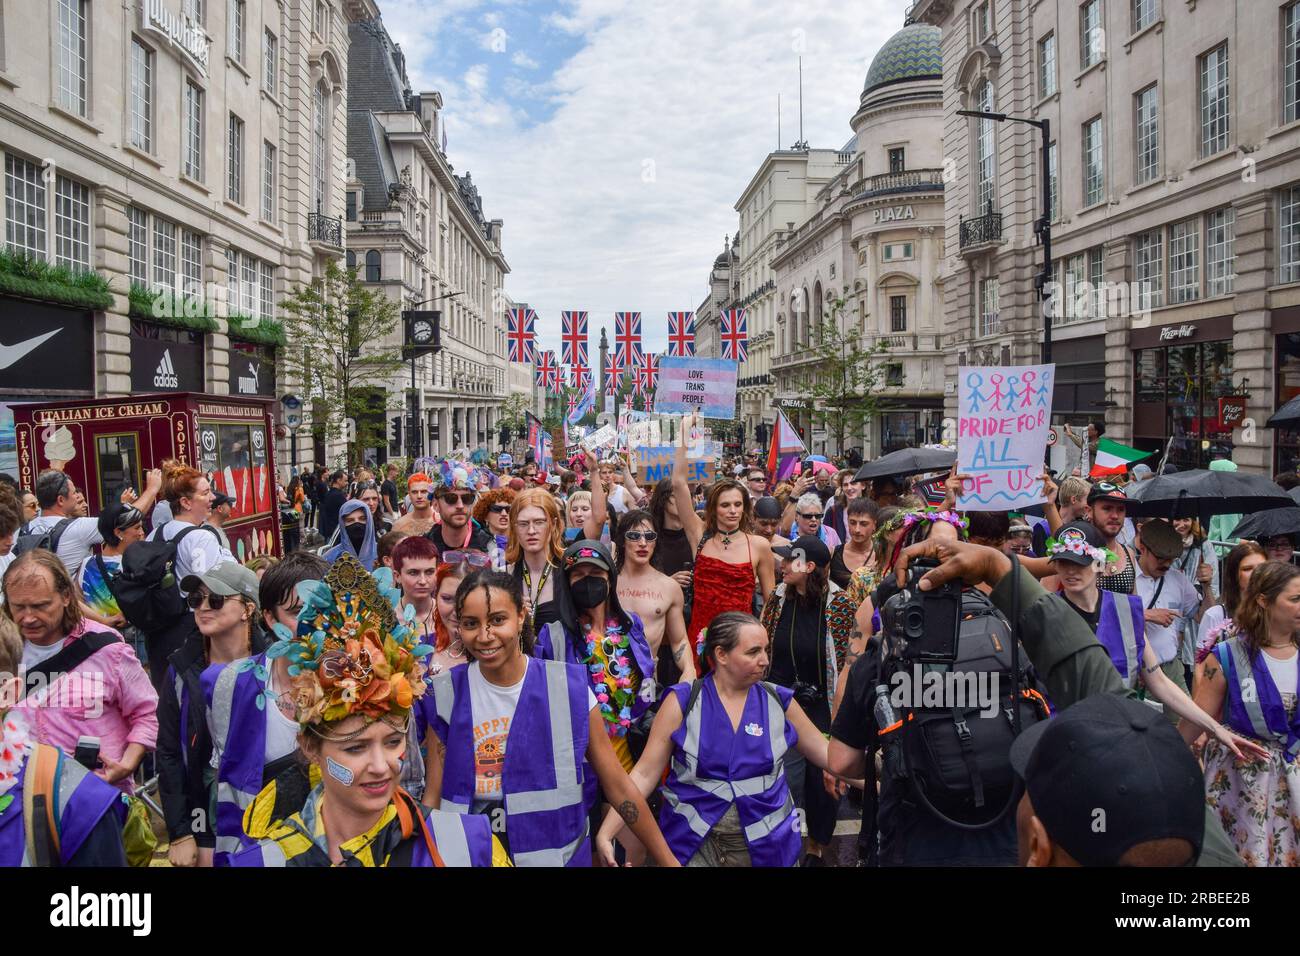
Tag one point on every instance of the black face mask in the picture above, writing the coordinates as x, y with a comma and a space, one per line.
589, 592
356, 534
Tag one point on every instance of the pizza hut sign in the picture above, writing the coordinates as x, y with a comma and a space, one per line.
1232, 412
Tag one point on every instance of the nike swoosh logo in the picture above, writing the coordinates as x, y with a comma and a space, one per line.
9, 354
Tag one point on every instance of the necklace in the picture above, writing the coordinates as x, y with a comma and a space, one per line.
15, 746
726, 537
541, 586
611, 675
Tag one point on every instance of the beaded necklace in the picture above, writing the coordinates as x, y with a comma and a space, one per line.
611, 675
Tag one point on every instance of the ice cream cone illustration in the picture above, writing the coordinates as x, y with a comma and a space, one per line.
60, 448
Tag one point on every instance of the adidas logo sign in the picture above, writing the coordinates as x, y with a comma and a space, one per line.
165, 375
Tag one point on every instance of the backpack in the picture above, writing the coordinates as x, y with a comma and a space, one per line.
957, 758
146, 589
47, 540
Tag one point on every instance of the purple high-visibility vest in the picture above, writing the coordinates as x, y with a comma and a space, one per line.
555, 633
714, 766
238, 728
1121, 629
543, 774
1255, 707
81, 801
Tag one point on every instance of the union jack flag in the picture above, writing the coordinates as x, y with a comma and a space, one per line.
521, 333
548, 372
648, 374
627, 338
613, 374
734, 330
627, 401
573, 337
580, 375
681, 334
573, 401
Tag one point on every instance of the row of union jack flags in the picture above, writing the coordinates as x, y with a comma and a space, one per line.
628, 354
645, 376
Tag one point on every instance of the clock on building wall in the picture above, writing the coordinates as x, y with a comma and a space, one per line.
423, 332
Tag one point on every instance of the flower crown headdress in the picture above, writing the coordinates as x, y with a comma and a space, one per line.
352, 653
1076, 543
906, 519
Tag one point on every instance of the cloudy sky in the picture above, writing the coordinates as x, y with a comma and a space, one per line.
614, 137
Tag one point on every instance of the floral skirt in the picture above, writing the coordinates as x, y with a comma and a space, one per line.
1257, 803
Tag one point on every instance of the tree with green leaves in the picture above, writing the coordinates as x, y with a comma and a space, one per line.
336, 332
512, 413
849, 373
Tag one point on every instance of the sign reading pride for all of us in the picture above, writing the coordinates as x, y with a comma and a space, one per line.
689, 384
1003, 417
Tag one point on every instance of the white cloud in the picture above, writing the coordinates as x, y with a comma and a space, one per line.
690, 88
524, 61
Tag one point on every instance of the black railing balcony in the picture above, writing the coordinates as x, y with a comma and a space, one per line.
325, 229
982, 229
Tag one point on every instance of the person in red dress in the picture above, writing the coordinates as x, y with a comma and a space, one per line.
728, 559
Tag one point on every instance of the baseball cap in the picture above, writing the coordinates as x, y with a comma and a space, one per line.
1112, 755
809, 547
1107, 491
767, 508
587, 551
117, 517
221, 498
1161, 539
227, 578
1074, 541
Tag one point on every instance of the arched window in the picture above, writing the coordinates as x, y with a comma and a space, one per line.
986, 145
805, 304
320, 148
373, 272
351, 259
817, 311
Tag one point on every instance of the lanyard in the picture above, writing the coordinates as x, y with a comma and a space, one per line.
1160, 586
541, 586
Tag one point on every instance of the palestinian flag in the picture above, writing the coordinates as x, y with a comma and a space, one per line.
1115, 459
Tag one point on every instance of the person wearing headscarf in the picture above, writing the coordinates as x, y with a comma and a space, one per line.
357, 536
358, 669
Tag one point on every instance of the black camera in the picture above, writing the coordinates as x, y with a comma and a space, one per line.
807, 695
921, 625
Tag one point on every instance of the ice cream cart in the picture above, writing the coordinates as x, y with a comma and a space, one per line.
108, 444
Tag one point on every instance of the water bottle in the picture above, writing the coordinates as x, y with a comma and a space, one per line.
891, 749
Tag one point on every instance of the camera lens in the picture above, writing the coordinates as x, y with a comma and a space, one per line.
914, 622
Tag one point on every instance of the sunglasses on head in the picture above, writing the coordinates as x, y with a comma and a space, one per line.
451, 498
649, 537
195, 600
476, 559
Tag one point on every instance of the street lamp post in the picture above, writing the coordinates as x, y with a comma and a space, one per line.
1043, 225
412, 443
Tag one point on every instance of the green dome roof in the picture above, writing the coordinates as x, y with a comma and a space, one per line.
910, 54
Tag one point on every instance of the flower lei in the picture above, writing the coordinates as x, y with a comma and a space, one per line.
612, 678
15, 746
1099, 556
1223, 631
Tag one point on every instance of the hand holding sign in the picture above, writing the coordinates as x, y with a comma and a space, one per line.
1003, 417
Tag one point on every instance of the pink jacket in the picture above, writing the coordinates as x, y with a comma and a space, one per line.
108, 696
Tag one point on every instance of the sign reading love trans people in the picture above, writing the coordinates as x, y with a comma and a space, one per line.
688, 384
1003, 417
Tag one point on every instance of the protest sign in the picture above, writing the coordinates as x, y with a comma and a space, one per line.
601, 438
1003, 416
643, 433
655, 462
688, 384
504, 460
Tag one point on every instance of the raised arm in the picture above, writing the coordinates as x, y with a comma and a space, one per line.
595, 522
691, 522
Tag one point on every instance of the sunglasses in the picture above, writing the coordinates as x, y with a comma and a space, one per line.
649, 537
451, 498
476, 559
813, 516
499, 509
195, 600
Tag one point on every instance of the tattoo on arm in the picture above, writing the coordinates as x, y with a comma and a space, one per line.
628, 811
1210, 671
1153, 668
678, 652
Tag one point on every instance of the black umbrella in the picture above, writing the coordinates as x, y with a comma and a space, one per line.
1295, 493
1288, 416
907, 461
1268, 524
1200, 494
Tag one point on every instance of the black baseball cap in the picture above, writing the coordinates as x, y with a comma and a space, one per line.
809, 547
767, 508
1107, 491
117, 517
221, 498
1109, 773
587, 552
1070, 537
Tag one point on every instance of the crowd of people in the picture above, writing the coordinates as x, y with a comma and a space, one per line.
469, 665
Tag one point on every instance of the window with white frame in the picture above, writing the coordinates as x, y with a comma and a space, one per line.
1148, 268
990, 321
1291, 62
1146, 110
192, 263
1076, 273
235, 159
237, 12
250, 275
1288, 246
141, 97
270, 63
71, 224
985, 151
268, 291
232, 280
894, 251
981, 22
71, 61
1047, 65
1144, 14
1215, 113
164, 254
1092, 45
137, 245
1097, 276
319, 148
1220, 257
268, 181
192, 153
1053, 190
193, 9
25, 199
1094, 169
1184, 261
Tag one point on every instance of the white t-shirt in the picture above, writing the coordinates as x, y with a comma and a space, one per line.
617, 500
491, 710
198, 550
281, 732
5, 561
34, 654
1283, 672
1179, 595
75, 542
